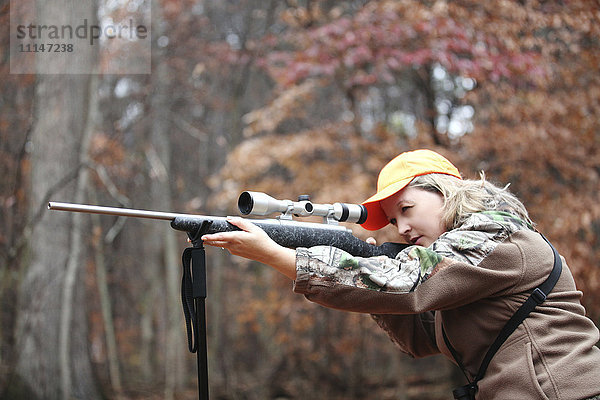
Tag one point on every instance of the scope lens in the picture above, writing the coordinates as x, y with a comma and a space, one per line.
363, 214
245, 203
352, 213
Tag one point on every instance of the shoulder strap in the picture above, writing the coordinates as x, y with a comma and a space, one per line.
537, 297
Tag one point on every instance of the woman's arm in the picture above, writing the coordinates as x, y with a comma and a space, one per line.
414, 333
253, 243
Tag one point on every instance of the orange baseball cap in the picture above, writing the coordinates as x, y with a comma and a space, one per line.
397, 174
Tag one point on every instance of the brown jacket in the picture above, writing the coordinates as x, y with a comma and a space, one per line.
551, 355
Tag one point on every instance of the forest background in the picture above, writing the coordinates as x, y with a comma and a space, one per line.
286, 97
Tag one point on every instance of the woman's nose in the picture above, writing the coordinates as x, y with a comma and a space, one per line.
403, 228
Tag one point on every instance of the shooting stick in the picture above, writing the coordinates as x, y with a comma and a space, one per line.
193, 296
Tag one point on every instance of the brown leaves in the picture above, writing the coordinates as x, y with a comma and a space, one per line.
386, 37
300, 163
289, 102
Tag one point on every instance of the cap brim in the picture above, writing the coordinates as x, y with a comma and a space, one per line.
376, 218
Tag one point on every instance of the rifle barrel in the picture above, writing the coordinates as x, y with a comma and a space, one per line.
125, 212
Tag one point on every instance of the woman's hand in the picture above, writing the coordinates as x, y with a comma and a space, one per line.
253, 243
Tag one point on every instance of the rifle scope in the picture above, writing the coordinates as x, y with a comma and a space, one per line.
257, 203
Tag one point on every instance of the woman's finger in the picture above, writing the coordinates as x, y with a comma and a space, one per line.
371, 240
219, 239
243, 224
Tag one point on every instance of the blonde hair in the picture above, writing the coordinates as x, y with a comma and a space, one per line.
464, 197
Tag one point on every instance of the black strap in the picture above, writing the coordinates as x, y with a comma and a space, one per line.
193, 288
187, 300
455, 354
537, 297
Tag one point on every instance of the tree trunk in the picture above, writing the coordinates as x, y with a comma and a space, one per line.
114, 371
168, 272
53, 360
52, 334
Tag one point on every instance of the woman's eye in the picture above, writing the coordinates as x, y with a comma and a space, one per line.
404, 209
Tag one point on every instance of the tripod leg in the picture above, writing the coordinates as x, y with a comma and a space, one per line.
201, 354
199, 296
193, 294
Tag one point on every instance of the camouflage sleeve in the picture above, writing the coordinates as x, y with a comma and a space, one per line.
400, 275
470, 244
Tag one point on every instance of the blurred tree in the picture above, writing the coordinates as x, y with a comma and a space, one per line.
51, 360
16, 105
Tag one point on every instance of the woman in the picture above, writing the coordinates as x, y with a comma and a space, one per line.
474, 259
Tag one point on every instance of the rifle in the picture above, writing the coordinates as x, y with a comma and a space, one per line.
284, 230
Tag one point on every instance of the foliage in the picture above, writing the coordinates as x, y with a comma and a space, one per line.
387, 37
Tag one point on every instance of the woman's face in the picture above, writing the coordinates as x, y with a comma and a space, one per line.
417, 214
